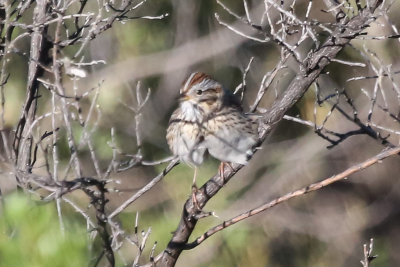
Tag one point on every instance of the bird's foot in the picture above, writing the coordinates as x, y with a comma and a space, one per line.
198, 212
221, 169
194, 199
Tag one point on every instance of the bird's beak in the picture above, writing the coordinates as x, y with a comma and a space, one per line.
183, 97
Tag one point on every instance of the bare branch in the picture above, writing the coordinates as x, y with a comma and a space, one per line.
314, 64
368, 257
144, 189
307, 189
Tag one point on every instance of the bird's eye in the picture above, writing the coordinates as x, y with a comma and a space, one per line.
199, 92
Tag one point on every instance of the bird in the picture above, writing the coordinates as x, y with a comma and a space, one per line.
210, 119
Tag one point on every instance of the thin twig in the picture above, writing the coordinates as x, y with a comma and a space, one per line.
144, 189
368, 257
307, 189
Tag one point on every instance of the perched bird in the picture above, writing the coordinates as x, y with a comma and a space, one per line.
210, 118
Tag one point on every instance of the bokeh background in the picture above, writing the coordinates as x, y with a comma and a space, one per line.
324, 228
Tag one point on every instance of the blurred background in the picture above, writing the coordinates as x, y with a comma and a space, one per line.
324, 228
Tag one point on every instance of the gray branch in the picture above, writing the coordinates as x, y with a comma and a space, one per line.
314, 65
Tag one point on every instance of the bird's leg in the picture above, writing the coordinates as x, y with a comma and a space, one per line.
194, 190
194, 178
221, 169
198, 212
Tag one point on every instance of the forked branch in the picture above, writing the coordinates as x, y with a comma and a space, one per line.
311, 68
302, 191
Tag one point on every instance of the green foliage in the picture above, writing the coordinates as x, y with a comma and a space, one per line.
30, 235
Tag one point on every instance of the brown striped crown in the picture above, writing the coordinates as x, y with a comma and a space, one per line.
193, 79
